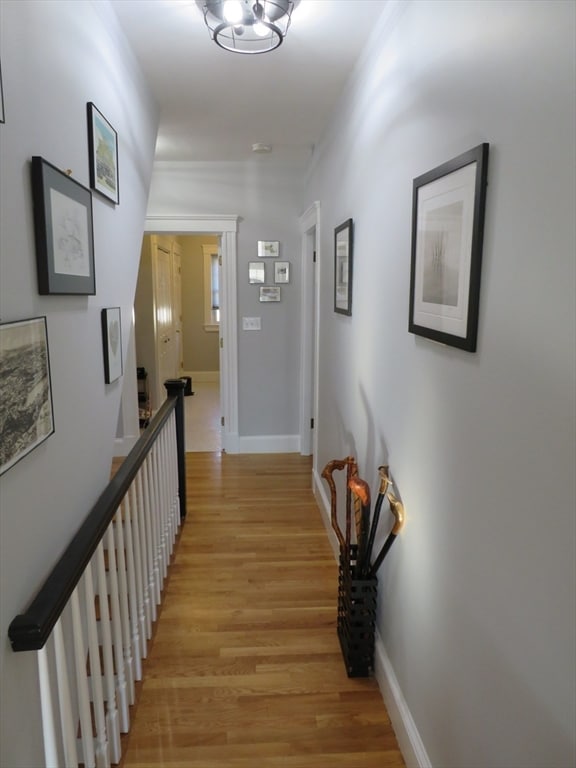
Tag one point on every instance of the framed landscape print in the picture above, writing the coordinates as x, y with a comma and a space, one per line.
343, 268
112, 343
64, 231
269, 293
103, 149
26, 413
268, 249
447, 233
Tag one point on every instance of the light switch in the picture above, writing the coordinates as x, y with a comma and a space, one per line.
251, 324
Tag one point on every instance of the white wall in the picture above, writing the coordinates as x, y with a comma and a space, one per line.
56, 56
266, 192
477, 603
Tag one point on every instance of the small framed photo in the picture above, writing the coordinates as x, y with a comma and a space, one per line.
448, 207
103, 152
112, 343
281, 271
64, 232
268, 249
343, 242
269, 293
256, 272
26, 411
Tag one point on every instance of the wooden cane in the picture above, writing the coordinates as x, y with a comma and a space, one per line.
385, 482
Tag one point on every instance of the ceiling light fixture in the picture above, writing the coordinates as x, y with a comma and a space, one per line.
247, 26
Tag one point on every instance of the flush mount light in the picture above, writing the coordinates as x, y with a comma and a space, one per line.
247, 26
261, 149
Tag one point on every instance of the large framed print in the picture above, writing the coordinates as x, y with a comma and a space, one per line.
112, 343
64, 231
103, 151
26, 413
343, 239
448, 206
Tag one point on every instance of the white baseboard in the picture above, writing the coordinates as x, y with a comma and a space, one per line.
198, 376
409, 740
269, 444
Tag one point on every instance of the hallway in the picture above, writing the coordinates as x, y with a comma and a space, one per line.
245, 669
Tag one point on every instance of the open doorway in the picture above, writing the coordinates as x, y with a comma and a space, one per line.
224, 418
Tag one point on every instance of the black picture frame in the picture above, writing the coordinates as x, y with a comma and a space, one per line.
448, 211
64, 232
343, 263
112, 343
25, 389
103, 155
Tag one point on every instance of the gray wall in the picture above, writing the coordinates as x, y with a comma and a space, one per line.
266, 192
56, 56
477, 608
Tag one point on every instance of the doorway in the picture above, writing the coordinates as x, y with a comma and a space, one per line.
224, 228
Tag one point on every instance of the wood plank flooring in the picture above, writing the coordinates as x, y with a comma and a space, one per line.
245, 669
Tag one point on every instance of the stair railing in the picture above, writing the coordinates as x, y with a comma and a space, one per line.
91, 620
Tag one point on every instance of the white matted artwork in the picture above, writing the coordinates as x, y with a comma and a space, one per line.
256, 272
268, 249
270, 293
281, 271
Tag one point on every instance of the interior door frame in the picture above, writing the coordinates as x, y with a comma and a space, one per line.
309, 330
225, 226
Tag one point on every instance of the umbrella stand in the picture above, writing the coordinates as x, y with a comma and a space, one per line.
357, 580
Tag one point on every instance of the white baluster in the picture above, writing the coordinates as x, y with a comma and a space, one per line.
137, 516
112, 717
153, 576
161, 542
67, 723
86, 734
143, 549
133, 594
123, 596
51, 757
117, 631
102, 746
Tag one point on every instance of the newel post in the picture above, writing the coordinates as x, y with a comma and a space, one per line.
175, 388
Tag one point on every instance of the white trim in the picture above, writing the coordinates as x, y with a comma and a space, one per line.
226, 226
200, 224
269, 444
409, 740
309, 322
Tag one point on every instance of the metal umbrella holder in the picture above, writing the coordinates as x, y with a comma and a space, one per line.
357, 580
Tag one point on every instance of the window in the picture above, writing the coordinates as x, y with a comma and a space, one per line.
211, 288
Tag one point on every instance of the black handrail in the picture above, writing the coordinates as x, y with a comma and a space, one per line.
30, 630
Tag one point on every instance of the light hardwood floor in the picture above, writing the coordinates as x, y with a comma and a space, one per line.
245, 669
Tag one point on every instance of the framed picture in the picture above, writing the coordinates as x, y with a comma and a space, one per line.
343, 268
447, 231
112, 343
2, 118
268, 249
256, 272
103, 149
269, 293
281, 271
26, 412
64, 231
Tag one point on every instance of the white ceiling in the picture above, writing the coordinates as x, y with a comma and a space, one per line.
215, 104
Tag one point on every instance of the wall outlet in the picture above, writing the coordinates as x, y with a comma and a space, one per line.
251, 324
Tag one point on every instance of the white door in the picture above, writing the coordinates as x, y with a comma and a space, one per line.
177, 308
165, 342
